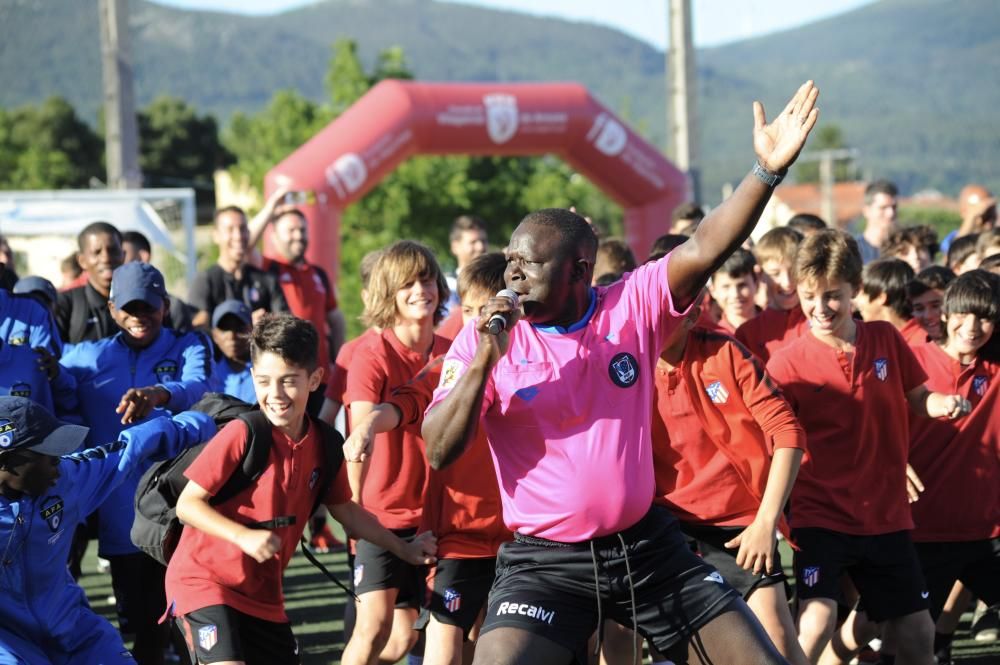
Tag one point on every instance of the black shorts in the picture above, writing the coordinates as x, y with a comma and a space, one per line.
549, 589
975, 563
140, 596
709, 543
376, 569
218, 633
456, 592
884, 568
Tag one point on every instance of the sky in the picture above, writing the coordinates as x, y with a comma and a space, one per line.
715, 21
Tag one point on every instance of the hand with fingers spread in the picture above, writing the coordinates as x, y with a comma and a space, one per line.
756, 545
137, 403
778, 144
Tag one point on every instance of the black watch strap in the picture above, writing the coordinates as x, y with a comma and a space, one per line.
769, 178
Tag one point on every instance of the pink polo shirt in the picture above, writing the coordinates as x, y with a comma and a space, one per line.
567, 412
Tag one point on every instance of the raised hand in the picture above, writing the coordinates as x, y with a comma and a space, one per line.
778, 144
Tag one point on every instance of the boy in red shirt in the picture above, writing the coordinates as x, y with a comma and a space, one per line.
405, 300
884, 296
926, 294
782, 322
733, 286
852, 384
224, 580
462, 502
726, 449
957, 532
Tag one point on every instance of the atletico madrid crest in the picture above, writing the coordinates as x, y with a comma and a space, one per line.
208, 636
882, 368
717, 392
979, 384
810, 576
452, 600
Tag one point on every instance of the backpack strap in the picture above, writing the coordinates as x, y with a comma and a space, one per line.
255, 454
333, 451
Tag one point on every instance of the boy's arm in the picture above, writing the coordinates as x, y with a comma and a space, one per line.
777, 145
362, 524
381, 418
357, 464
756, 542
194, 509
923, 402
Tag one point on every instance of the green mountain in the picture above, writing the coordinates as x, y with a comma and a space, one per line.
913, 83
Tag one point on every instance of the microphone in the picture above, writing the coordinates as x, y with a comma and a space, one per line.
498, 322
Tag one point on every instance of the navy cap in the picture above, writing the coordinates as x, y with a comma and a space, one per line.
237, 308
137, 281
34, 284
27, 425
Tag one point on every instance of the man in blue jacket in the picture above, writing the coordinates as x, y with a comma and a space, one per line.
120, 381
45, 492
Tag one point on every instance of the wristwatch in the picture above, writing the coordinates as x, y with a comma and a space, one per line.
769, 178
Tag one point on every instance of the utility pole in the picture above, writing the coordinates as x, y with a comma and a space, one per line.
120, 129
683, 90
827, 158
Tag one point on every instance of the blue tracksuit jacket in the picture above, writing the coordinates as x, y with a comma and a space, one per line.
44, 616
104, 370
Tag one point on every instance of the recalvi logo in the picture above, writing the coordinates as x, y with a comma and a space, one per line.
524, 609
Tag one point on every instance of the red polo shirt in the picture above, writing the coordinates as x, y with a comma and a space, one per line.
856, 417
913, 333
310, 296
394, 487
772, 329
451, 326
958, 460
336, 384
720, 419
206, 570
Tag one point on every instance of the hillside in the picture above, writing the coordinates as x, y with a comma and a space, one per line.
911, 82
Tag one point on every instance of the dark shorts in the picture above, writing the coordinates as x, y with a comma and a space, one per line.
975, 563
218, 633
549, 589
137, 580
377, 569
709, 543
884, 568
456, 592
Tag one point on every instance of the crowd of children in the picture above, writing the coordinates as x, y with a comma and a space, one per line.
848, 408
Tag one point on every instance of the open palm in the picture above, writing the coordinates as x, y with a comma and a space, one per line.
778, 144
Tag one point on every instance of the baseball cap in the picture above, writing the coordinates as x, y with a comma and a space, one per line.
137, 281
38, 285
26, 425
237, 308
974, 200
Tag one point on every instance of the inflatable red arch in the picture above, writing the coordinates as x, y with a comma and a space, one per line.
399, 119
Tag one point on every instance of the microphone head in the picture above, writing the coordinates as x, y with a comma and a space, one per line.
510, 295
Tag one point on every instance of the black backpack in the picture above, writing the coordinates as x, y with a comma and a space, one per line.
156, 529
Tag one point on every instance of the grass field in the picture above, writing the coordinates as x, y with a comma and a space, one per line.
315, 607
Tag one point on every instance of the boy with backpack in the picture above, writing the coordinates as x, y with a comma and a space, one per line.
224, 582
45, 493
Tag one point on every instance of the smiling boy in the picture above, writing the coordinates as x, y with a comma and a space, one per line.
224, 580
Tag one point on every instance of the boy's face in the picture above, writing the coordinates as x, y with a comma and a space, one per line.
781, 292
871, 309
827, 306
417, 300
231, 337
927, 312
472, 305
469, 244
967, 333
29, 472
734, 294
139, 321
918, 257
101, 254
282, 391
971, 262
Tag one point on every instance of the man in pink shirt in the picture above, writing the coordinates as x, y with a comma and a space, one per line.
565, 397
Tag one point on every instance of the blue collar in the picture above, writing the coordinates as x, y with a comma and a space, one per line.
560, 330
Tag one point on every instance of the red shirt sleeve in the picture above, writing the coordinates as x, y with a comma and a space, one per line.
366, 376
912, 373
766, 402
413, 397
340, 490
219, 458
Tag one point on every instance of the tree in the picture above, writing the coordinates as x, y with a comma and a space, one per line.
177, 146
48, 147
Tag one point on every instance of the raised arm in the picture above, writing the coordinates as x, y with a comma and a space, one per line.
777, 145
450, 425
